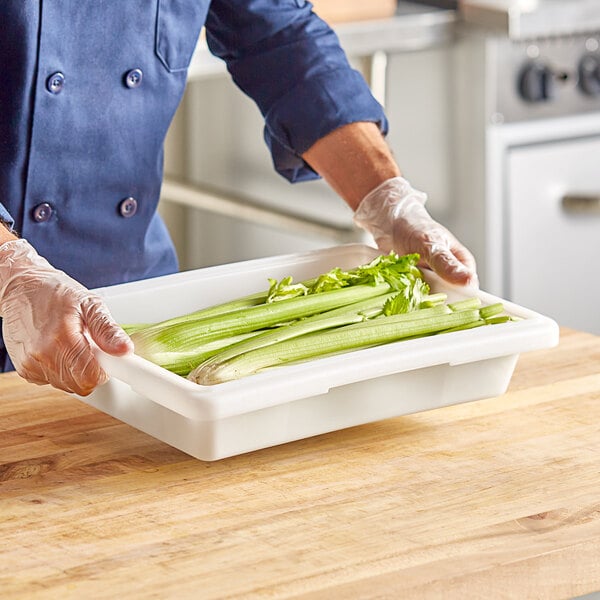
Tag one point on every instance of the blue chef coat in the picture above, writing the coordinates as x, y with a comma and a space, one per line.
89, 90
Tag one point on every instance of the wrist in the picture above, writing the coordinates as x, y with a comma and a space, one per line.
6, 233
383, 203
353, 160
395, 190
383, 206
17, 256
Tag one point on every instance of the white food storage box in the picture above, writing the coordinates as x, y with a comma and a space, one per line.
301, 400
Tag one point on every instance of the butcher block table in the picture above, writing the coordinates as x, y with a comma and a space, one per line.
498, 498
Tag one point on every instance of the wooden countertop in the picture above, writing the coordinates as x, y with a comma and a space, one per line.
495, 499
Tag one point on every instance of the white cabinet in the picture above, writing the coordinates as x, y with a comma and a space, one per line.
553, 249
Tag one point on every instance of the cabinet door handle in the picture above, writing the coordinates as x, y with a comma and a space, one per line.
581, 204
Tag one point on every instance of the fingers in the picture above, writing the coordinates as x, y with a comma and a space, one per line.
394, 214
455, 264
438, 249
62, 355
449, 267
52, 324
103, 330
69, 365
78, 368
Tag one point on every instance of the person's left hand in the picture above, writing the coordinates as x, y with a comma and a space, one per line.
52, 324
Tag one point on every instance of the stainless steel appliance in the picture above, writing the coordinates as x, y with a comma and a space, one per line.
527, 138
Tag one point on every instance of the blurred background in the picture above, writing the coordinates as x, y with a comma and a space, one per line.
494, 110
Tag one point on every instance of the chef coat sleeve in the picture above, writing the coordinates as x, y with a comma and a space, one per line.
6, 218
290, 62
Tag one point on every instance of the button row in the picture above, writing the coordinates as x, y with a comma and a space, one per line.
56, 82
42, 212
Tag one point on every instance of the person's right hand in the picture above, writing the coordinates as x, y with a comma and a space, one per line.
51, 323
395, 214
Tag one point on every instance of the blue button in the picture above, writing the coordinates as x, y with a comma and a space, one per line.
55, 83
133, 78
42, 212
128, 207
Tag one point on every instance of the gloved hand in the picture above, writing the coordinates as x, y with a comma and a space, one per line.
395, 215
51, 322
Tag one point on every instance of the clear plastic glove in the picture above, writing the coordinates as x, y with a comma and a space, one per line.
395, 215
51, 323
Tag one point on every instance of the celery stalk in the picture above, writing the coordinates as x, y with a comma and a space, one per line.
190, 336
496, 320
433, 300
470, 325
350, 337
203, 313
345, 315
491, 310
466, 303
397, 271
376, 303
182, 361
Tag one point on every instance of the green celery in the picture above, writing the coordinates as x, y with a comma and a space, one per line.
182, 361
496, 320
433, 300
491, 310
471, 325
466, 303
377, 303
187, 337
399, 272
350, 337
346, 315
203, 313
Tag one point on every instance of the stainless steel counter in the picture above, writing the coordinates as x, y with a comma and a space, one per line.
414, 27
525, 19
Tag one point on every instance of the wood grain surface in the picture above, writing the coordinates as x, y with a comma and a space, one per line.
494, 499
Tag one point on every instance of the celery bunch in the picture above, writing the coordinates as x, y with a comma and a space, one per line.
377, 303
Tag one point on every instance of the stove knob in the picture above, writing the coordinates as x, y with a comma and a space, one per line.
589, 74
536, 82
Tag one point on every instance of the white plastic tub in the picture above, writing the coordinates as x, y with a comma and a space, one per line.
297, 401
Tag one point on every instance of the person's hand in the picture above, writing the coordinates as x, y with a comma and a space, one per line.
51, 323
395, 215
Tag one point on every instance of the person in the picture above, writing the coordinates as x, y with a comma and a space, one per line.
89, 90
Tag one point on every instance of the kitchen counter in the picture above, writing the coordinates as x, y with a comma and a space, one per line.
498, 498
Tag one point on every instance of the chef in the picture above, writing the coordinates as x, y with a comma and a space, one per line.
88, 92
